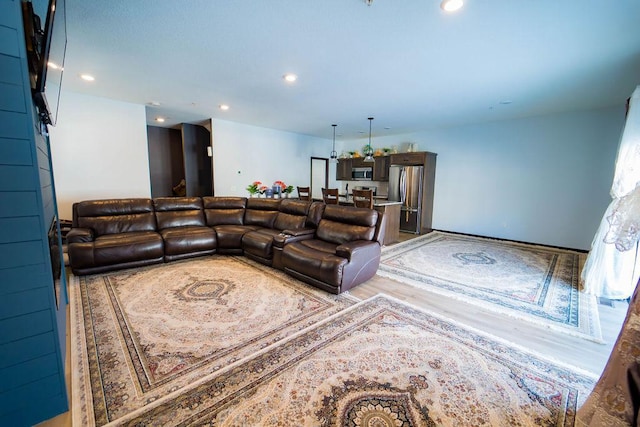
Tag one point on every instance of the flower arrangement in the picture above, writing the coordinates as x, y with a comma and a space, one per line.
254, 187
283, 187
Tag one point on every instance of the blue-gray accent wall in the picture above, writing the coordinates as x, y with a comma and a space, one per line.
32, 322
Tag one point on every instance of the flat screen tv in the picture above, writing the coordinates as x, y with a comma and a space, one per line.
46, 50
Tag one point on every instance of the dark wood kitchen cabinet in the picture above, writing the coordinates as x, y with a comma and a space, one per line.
343, 169
381, 168
417, 158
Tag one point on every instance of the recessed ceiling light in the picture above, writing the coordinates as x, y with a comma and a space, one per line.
290, 77
154, 103
224, 107
87, 77
160, 119
451, 5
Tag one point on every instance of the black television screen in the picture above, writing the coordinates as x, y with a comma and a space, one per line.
46, 50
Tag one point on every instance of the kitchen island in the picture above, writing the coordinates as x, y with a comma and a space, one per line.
391, 212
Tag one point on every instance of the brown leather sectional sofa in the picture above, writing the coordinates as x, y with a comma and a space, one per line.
328, 246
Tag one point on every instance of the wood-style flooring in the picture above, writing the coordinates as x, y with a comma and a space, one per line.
575, 351
554, 345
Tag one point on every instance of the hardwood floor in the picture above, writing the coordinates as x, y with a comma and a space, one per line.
574, 351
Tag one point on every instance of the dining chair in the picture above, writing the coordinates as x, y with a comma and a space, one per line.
330, 196
303, 193
363, 198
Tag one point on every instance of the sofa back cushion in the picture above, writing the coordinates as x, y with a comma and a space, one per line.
178, 212
292, 214
342, 224
315, 214
224, 210
113, 216
261, 212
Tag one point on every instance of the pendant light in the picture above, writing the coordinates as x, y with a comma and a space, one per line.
333, 158
368, 155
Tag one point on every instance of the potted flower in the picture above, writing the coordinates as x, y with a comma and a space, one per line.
262, 189
284, 188
278, 187
254, 188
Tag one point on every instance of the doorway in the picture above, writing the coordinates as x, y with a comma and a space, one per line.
319, 176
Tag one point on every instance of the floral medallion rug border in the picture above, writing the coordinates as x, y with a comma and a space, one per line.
140, 334
381, 362
537, 284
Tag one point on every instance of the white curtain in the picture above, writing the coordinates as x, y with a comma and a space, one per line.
613, 265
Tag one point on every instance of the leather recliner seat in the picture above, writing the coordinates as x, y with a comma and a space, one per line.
226, 216
258, 244
343, 252
182, 226
114, 234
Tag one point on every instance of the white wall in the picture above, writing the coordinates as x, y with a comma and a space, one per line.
541, 180
99, 150
243, 154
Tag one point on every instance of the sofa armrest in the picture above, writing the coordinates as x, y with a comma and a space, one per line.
80, 235
289, 236
299, 232
358, 249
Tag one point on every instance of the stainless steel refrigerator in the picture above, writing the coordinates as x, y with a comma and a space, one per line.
405, 185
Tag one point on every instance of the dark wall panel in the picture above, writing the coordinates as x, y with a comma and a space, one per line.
18, 204
16, 353
20, 229
23, 278
32, 328
15, 151
165, 160
197, 164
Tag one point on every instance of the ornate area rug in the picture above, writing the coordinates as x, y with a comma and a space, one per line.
533, 283
380, 363
141, 334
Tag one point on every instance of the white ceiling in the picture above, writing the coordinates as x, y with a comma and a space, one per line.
405, 62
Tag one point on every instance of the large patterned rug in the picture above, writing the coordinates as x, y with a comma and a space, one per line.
144, 333
534, 283
233, 353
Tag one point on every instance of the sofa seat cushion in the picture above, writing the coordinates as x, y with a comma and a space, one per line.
259, 242
190, 239
314, 258
230, 236
320, 245
117, 249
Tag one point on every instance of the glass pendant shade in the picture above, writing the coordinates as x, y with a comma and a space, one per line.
368, 155
333, 158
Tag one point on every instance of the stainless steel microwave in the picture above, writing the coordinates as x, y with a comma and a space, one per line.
362, 174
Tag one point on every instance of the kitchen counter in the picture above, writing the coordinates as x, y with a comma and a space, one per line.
391, 212
376, 201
